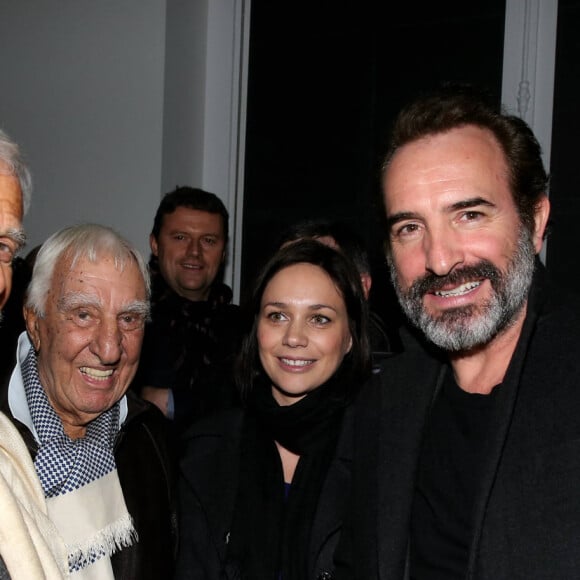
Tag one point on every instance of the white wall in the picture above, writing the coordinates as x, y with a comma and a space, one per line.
118, 101
185, 72
205, 91
82, 92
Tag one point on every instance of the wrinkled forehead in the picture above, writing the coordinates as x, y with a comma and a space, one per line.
121, 270
11, 201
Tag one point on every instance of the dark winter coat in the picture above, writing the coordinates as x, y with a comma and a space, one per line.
527, 514
210, 477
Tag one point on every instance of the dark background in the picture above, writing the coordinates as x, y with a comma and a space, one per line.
563, 246
326, 78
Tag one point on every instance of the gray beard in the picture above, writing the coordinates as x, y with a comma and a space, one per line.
465, 328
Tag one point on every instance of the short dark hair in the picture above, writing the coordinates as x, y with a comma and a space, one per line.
192, 198
356, 363
347, 240
457, 105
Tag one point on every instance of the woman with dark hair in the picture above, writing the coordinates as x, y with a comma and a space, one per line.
263, 488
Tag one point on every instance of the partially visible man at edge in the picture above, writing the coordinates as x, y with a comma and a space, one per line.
29, 544
194, 332
15, 192
467, 455
100, 455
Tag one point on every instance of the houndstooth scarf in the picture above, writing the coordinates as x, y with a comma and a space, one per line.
79, 479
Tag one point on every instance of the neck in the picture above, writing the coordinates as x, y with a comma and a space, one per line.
74, 431
481, 369
289, 462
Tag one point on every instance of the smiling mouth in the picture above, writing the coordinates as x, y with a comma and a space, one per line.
458, 291
296, 362
96, 373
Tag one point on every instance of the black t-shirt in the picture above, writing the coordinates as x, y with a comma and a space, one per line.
447, 482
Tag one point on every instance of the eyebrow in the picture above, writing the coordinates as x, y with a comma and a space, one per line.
458, 205
139, 307
186, 233
310, 307
78, 299
471, 202
17, 235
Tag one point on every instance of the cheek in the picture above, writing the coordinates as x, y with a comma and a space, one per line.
347, 344
133, 347
214, 256
264, 336
336, 347
408, 265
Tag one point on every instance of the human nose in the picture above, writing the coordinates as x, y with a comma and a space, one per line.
194, 247
107, 343
443, 252
295, 335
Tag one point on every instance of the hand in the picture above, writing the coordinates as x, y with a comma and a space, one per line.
159, 397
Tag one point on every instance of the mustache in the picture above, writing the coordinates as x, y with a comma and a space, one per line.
432, 283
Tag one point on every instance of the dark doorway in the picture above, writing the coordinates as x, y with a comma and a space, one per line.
562, 249
325, 81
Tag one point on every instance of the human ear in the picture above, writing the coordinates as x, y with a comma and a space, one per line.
541, 215
31, 320
153, 245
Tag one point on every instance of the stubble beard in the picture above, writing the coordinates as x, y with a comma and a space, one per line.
468, 327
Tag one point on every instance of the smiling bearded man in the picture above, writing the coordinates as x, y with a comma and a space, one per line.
467, 445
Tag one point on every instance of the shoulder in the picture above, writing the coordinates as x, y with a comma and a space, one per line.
142, 413
211, 457
417, 362
144, 436
222, 430
553, 311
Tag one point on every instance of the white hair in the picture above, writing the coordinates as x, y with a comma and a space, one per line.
11, 161
85, 241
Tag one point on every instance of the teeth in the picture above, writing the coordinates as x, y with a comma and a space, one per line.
96, 373
296, 363
463, 289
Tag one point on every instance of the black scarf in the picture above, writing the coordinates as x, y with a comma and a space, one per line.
270, 536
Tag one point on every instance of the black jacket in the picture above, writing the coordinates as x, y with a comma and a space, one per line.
145, 471
208, 487
190, 348
526, 522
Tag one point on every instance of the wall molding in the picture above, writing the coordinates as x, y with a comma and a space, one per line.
528, 67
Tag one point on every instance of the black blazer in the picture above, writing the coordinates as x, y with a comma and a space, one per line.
527, 514
207, 493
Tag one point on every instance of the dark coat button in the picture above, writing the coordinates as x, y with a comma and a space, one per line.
324, 575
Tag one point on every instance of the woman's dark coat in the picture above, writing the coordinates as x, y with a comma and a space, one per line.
208, 487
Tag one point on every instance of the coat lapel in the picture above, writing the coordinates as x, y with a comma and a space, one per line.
217, 459
409, 383
499, 426
335, 492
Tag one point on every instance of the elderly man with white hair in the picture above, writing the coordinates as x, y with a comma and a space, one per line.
100, 454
